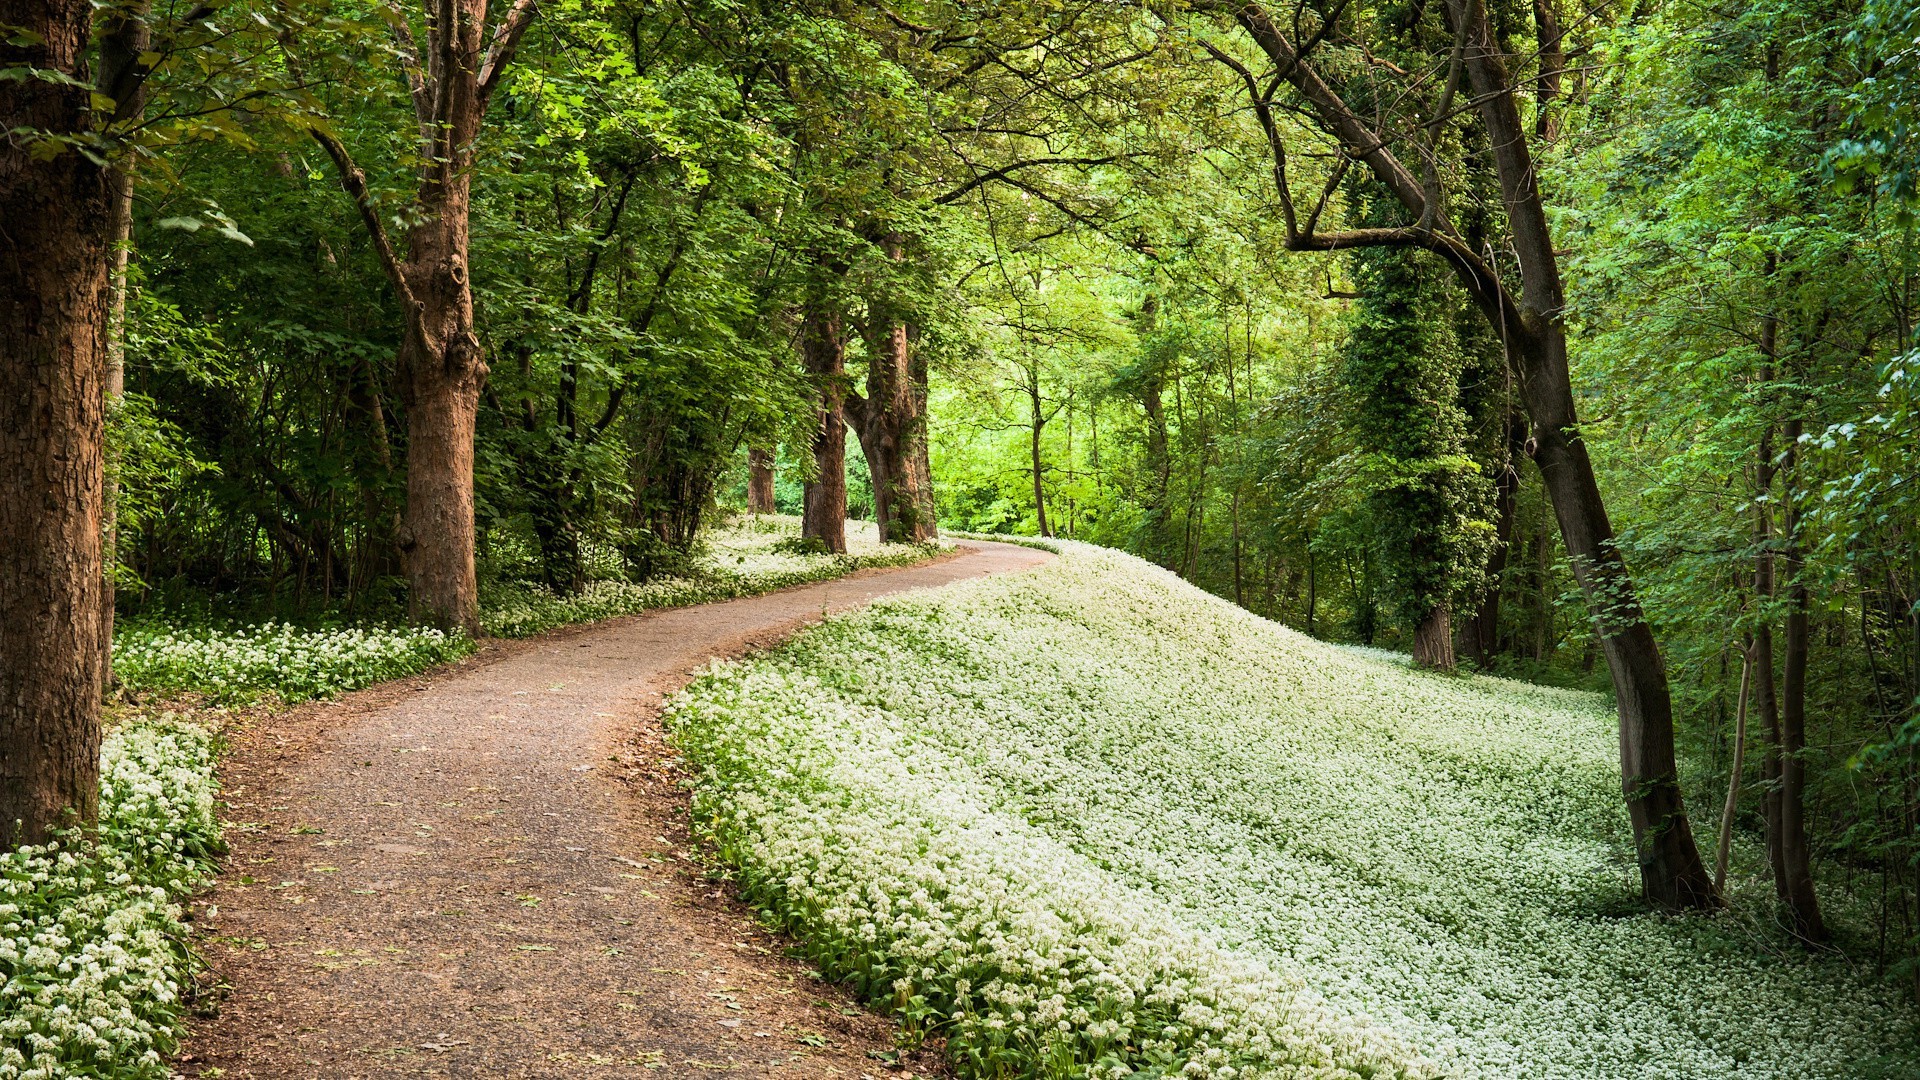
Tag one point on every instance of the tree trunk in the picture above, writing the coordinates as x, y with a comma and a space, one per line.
127, 39
1725, 848
823, 352
1433, 640
54, 218
760, 481
892, 424
443, 372
1672, 874
1037, 424
1793, 875
442, 367
1482, 637
120, 237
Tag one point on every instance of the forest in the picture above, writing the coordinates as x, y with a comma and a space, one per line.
1403, 512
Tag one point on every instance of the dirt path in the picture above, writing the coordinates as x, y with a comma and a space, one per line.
485, 873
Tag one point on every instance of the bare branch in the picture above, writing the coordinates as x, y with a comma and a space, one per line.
506, 40
1006, 170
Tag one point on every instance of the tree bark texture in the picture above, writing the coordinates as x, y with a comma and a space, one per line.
54, 254
891, 422
760, 481
1433, 640
823, 353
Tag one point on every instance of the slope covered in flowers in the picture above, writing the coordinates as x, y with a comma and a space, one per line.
92, 953
1092, 814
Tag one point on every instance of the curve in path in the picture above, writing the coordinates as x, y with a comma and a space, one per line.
485, 873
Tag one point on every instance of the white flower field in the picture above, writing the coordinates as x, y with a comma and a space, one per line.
1090, 820
93, 960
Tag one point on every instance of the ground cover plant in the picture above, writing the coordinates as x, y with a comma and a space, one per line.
290, 662
1089, 818
93, 959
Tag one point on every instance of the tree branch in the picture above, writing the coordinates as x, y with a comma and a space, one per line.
506, 40
355, 183
1004, 172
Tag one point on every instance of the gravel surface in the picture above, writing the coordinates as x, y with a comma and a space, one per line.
486, 872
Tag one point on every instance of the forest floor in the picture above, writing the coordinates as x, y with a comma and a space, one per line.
485, 871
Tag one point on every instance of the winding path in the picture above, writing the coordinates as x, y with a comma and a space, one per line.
485, 872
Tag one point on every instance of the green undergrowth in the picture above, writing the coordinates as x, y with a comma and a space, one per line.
228, 662
1088, 820
94, 960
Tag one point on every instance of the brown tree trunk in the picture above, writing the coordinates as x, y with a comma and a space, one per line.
1724, 849
1433, 640
442, 367
760, 481
1672, 874
54, 218
442, 372
892, 423
823, 352
1036, 426
1793, 874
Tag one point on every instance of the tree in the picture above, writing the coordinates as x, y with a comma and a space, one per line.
823, 355
1529, 319
1425, 498
57, 204
442, 366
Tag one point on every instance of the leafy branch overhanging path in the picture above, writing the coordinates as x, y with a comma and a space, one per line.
482, 873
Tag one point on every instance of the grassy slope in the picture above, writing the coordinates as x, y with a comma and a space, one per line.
1445, 856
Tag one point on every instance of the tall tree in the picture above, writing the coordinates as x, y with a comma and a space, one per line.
1424, 495
1529, 319
823, 355
56, 204
442, 366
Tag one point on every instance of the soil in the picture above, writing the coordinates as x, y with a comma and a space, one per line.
486, 872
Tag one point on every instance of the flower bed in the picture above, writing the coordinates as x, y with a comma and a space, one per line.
92, 950
287, 661
1090, 819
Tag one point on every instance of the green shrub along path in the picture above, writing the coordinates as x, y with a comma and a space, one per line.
487, 873
1091, 820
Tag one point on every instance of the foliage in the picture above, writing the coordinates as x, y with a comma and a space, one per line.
93, 954
1088, 815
